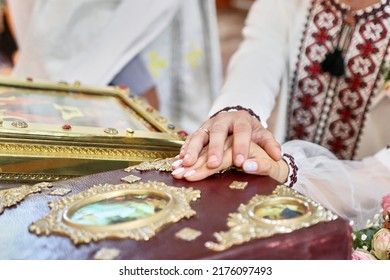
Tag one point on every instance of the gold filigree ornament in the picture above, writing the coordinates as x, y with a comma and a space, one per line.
188, 234
60, 191
284, 211
12, 196
157, 164
238, 185
107, 254
131, 179
164, 164
135, 211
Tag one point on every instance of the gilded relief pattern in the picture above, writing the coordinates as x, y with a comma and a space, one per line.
12, 196
37, 177
72, 151
158, 164
250, 221
58, 222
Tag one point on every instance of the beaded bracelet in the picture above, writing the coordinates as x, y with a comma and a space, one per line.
237, 108
293, 170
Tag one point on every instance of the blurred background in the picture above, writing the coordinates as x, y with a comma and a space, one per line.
177, 55
231, 16
230, 13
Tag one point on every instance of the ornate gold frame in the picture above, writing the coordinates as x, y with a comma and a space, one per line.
246, 224
59, 221
36, 151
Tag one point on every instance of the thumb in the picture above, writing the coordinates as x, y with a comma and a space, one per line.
258, 166
266, 167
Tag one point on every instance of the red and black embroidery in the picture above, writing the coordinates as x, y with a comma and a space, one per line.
331, 110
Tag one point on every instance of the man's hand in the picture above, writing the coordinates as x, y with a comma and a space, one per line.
243, 127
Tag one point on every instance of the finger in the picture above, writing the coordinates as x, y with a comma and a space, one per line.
258, 166
203, 171
277, 170
219, 132
260, 163
265, 139
189, 139
202, 157
180, 170
194, 145
242, 132
228, 143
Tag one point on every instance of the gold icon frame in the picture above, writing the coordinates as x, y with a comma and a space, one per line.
59, 220
40, 142
247, 224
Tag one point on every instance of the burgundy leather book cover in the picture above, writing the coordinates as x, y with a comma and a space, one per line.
325, 240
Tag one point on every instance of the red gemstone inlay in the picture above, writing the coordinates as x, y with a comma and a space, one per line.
66, 126
182, 132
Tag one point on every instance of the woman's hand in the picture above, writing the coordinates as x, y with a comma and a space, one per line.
243, 127
258, 162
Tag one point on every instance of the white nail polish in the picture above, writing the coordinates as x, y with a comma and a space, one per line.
250, 166
178, 171
189, 173
177, 163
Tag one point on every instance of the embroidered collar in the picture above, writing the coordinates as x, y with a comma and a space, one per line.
362, 13
329, 110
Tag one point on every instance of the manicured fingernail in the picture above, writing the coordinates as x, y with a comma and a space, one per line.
186, 156
250, 166
178, 171
239, 159
212, 158
177, 163
189, 173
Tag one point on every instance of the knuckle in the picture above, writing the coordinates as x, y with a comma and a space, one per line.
197, 133
266, 166
242, 127
218, 127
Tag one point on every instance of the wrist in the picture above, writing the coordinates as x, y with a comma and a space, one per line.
237, 108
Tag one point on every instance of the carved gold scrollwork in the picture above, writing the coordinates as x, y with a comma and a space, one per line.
283, 211
78, 152
158, 164
136, 211
12, 196
162, 164
8, 176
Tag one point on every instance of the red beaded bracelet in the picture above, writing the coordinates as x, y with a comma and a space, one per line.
293, 170
237, 108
